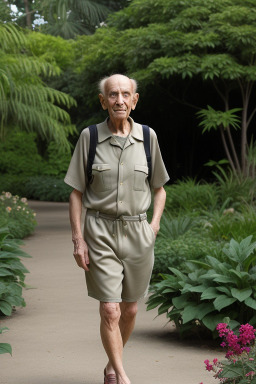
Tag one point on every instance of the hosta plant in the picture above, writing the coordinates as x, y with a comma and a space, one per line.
240, 364
207, 292
12, 273
5, 347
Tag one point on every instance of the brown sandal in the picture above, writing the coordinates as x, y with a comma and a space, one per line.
110, 378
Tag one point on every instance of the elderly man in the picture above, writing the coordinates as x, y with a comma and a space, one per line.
117, 247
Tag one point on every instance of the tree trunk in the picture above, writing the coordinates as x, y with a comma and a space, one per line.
28, 14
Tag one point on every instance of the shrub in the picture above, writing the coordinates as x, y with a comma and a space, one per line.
16, 215
12, 273
210, 291
56, 161
234, 225
190, 196
19, 155
237, 189
15, 184
174, 253
47, 188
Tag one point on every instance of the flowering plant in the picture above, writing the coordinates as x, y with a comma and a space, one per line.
240, 366
16, 215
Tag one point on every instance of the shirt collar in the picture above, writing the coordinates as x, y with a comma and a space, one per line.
104, 133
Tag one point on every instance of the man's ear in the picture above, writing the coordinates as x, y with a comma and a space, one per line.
135, 100
102, 101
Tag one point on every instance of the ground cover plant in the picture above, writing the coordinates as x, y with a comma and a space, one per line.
16, 215
12, 273
208, 291
5, 347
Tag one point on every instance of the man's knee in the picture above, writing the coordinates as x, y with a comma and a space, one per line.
128, 311
110, 314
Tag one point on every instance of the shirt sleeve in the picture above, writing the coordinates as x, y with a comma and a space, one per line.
159, 174
76, 175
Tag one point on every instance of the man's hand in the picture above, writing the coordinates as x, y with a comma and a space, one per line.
155, 228
81, 253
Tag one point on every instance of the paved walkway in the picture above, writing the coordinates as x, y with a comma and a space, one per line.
55, 339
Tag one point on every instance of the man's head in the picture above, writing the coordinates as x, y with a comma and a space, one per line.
118, 95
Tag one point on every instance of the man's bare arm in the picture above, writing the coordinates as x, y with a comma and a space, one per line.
80, 246
159, 203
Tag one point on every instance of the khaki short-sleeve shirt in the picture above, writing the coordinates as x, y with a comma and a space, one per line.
119, 184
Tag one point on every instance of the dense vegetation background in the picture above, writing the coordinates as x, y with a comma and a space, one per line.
186, 55
195, 61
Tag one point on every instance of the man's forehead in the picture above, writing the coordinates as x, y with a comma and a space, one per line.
116, 83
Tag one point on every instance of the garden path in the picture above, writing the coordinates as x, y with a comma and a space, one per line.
55, 338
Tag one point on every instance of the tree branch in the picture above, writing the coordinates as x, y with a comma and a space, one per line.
226, 149
218, 90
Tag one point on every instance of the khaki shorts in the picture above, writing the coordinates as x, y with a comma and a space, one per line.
121, 259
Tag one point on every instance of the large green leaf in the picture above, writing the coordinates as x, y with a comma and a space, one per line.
211, 321
209, 293
5, 348
189, 313
5, 272
232, 372
223, 301
222, 279
241, 294
180, 302
153, 303
6, 308
251, 302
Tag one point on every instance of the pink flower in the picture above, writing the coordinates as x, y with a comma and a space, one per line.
251, 373
209, 367
215, 361
246, 334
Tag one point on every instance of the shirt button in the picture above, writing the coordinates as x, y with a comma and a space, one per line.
120, 202
121, 183
122, 163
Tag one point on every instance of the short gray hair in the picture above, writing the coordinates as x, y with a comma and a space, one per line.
102, 83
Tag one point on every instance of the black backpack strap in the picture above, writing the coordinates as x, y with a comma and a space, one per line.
92, 150
146, 135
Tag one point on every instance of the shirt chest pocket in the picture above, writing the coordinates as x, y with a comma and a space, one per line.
140, 176
101, 177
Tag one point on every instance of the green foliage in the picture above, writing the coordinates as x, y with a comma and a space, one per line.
210, 290
174, 253
56, 160
172, 228
175, 47
190, 196
238, 190
5, 347
19, 155
233, 224
16, 184
212, 119
12, 273
16, 215
47, 188
20, 161
25, 101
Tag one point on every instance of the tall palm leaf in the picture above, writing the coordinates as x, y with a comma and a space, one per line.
25, 101
68, 18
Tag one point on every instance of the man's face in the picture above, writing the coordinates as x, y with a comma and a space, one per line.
119, 98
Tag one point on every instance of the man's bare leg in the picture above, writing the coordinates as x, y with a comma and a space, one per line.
117, 324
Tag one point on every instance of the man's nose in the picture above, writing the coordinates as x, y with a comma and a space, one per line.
120, 99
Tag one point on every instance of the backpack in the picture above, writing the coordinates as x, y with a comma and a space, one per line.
94, 141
